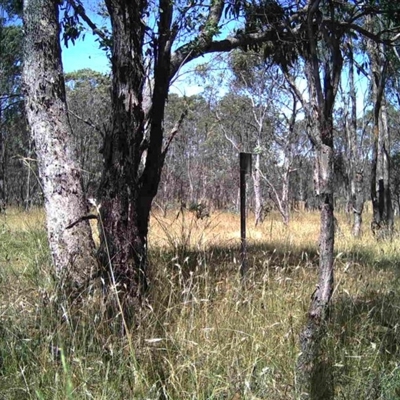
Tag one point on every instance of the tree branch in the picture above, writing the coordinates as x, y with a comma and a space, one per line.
79, 9
192, 50
174, 131
87, 122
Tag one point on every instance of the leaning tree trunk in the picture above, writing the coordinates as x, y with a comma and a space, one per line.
72, 249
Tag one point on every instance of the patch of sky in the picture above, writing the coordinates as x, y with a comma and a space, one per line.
189, 81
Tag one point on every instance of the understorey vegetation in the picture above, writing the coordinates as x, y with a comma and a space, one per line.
204, 334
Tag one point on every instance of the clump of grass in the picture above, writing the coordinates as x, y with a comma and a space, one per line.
204, 334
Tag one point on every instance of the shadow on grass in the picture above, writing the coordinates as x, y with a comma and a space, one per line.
264, 254
364, 328
366, 338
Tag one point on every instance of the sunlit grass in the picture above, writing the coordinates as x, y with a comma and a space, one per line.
204, 334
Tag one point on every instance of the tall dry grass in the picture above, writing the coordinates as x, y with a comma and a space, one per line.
203, 333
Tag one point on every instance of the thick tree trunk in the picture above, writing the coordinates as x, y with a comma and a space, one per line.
133, 153
123, 224
71, 248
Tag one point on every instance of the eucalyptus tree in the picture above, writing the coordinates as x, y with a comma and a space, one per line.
272, 129
201, 165
354, 139
355, 156
151, 43
187, 175
322, 67
250, 79
319, 50
70, 237
380, 173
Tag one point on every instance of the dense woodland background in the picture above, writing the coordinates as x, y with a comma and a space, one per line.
202, 165
248, 110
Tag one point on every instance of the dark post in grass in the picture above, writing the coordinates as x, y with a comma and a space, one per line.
245, 169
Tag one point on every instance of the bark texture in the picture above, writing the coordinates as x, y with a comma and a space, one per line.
314, 367
133, 153
315, 379
134, 148
71, 249
383, 217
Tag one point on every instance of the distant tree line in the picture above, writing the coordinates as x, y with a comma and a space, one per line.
202, 165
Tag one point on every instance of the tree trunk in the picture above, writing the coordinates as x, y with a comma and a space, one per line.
355, 169
72, 249
2, 165
380, 171
123, 224
358, 201
315, 379
258, 209
286, 187
133, 154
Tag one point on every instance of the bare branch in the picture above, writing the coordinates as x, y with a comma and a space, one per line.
174, 131
276, 195
87, 122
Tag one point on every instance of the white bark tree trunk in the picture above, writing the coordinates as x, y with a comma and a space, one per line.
72, 249
258, 211
354, 157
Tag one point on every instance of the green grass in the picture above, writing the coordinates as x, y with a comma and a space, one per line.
203, 335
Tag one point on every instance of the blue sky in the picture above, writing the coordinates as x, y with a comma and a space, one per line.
85, 54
